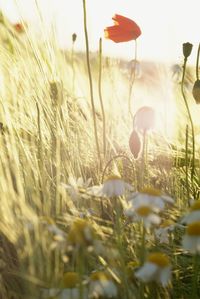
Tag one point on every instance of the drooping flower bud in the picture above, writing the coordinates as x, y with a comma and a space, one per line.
135, 144
196, 91
187, 49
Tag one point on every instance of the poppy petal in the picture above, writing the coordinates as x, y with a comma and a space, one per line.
118, 35
127, 23
124, 30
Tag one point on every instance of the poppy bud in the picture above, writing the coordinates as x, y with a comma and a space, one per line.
74, 36
135, 144
196, 91
187, 49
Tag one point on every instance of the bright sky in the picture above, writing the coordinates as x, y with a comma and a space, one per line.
165, 24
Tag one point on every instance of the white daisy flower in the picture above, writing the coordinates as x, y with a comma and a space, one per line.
143, 213
81, 233
157, 268
113, 186
52, 227
49, 293
150, 196
194, 215
191, 240
76, 187
70, 287
162, 233
102, 286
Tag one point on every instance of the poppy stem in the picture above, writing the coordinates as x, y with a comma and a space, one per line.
73, 68
190, 118
132, 80
100, 97
111, 160
186, 166
144, 158
197, 63
90, 83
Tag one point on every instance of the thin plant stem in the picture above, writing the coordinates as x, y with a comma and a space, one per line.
100, 97
143, 161
111, 160
40, 157
196, 258
190, 118
154, 290
142, 247
186, 167
73, 68
132, 80
119, 239
142, 258
90, 83
197, 63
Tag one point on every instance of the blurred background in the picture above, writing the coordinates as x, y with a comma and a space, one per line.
165, 25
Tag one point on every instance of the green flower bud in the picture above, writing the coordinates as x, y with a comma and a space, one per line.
187, 49
196, 91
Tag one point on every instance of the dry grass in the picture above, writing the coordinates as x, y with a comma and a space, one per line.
47, 136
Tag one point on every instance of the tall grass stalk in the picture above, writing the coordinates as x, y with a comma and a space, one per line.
40, 158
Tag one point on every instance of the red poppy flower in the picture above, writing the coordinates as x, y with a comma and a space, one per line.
124, 30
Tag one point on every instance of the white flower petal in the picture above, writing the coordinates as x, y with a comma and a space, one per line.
151, 219
72, 294
147, 272
162, 235
168, 199
95, 191
72, 181
165, 276
103, 288
191, 217
190, 243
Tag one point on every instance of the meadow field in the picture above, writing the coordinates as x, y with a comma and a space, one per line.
99, 173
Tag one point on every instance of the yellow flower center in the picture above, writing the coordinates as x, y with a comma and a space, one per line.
166, 223
143, 211
100, 275
70, 280
132, 264
159, 259
113, 177
193, 229
81, 233
196, 206
151, 191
